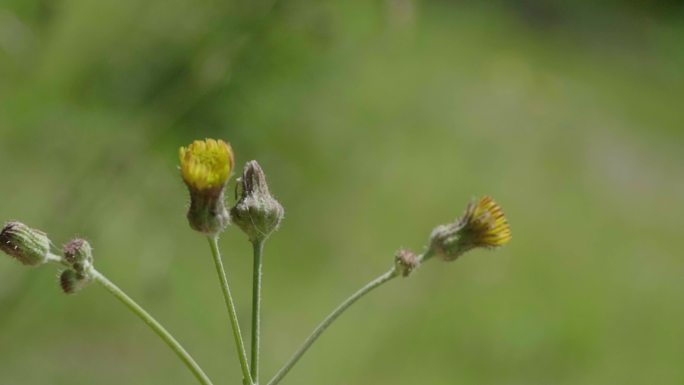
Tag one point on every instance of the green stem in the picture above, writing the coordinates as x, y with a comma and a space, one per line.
392, 273
154, 325
258, 246
230, 304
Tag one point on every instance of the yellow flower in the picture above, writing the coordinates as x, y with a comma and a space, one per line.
206, 165
485, 224
482, 225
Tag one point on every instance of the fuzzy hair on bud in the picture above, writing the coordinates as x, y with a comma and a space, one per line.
29, 246
256, 213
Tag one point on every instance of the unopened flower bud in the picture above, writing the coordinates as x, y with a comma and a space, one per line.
205, 167
482, 225
79, 255
72, 281
406, 262
29, 246
257, 213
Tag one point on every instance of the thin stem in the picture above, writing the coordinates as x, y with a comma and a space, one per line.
230, 304
377, 282
155, 326
258, 246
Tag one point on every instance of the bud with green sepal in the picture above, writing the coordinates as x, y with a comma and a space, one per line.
29, 246
257, 213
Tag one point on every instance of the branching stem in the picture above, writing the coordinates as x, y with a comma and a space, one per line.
377, 282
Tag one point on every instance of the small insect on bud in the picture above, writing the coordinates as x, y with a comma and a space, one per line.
72, 281
29, 246
79, 255
257, 213
482, 225
205, 167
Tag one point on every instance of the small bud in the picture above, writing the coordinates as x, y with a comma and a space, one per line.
205, 168
29, 246
406, 262
257, 213
79, 255
482, 225
72, 281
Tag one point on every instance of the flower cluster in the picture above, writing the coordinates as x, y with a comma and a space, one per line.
205, 167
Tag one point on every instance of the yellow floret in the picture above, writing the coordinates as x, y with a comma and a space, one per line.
486, 224
206, 164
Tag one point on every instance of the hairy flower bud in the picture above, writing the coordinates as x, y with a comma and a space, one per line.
72, 281
406, 261
482, 225
79, 255
257, 213
29, 246
205, 168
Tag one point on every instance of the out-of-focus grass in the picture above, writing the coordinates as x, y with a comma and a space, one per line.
374, 122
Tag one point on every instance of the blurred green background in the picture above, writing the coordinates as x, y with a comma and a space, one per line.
375, 121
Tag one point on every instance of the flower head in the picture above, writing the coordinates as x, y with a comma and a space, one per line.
205, 167
483, 224
206, 164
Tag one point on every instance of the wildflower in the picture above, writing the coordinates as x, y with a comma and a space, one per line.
257, 213
482, 225
205, 168
29, 246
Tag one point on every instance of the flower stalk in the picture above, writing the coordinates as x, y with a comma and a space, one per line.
258, 215
230, 305
332, 317
257, 274
177, 348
